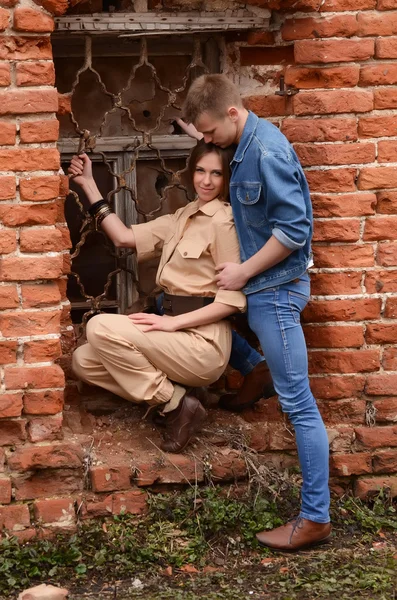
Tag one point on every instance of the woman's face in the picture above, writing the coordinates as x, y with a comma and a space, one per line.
208, 177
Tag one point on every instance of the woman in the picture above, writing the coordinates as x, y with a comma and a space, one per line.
152, 358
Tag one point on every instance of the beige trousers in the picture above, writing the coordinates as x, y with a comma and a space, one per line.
142, 367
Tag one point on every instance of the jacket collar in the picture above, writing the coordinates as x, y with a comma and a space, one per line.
210, 208
246, 137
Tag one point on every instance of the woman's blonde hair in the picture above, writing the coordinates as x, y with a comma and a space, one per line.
213, 94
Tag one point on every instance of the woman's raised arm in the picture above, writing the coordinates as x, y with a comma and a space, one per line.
81, 171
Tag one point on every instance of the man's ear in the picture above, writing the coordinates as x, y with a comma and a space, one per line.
233, 113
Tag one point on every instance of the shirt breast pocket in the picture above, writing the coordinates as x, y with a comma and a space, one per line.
189, 249
249, 196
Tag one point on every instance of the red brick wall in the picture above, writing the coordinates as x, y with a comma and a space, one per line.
342, 57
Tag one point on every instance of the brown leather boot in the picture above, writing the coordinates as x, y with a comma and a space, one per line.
295, 535
182, 423
257, 384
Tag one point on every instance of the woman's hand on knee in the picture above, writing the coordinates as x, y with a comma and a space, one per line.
150, 322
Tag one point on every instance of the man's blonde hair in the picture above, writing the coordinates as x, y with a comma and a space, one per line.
212, 94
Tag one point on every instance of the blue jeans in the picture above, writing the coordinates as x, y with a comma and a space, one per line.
274, 316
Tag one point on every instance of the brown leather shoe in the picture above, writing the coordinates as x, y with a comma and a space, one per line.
257, 384
182, 423
295, 535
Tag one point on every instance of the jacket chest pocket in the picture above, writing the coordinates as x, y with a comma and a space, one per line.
249, 197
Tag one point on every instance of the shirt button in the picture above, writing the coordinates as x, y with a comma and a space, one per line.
185, 254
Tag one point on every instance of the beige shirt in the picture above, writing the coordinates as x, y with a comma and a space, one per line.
191, 243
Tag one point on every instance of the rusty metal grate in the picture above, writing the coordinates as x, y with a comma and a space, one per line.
123, 95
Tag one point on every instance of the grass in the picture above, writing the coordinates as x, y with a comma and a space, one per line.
200, 543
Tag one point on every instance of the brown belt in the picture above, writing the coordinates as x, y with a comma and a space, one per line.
178, 305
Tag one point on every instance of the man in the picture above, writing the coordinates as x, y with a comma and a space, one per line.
273, 216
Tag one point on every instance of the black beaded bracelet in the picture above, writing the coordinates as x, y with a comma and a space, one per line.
94, 207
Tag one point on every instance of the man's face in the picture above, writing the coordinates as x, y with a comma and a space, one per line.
221, 132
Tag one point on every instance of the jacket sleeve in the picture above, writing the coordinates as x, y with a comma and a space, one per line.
284, 182
225, 248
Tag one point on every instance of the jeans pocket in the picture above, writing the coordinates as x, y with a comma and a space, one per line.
297, 302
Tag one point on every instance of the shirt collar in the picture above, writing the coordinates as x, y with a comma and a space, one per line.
209, 208
246, 137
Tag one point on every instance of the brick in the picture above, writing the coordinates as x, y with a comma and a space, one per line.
28, 101
321, 77
381, 385
385, 462
5, 490
7, 134
334, 387
132, 502
7, 188
30, 20
362, 309
387, 151
25, 48
41, 350
329, 51
344, 205
12, 432
341, 230
333, 101
345, 465
43, 429
25, 323
4, 19
64, 185
8, 297
5, 75
107, 479
41, 240
15, 517
8, 3
10, 405
39, 131
381, 333
332, 180
8, 241
55, 7
17, 215
30, 269
348, 361
340, 439
380, 228
284, 5
50, 456
386, 4
266, 56
364, 488
387, 254
383, 74
64, 104
2, 459
49, 402
309, 27
377, 126
335, 154
385, 98
343, 256
39, 189
38, 73
267, 106
386, 408
387, 203
386, 47
8, 355
47, 483
56, 511
34, 377
39, 295
334, 336
376, 437
32, 159
377, 24
342, 411
390, 311
377, 177
343, 5
320, 130
179, 470
261, 38
389, 363
331, 284
381, 281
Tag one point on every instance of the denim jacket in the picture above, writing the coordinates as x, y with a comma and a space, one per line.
270, 196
